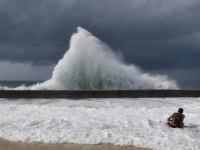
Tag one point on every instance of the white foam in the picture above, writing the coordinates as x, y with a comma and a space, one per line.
91, 64
125, 122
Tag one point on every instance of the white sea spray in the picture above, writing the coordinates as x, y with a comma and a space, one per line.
91, 64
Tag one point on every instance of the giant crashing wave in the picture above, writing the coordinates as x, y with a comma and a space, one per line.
90, 64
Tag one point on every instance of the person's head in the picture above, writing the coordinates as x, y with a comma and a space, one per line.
180, 110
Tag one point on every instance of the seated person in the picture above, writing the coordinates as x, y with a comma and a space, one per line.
176, 119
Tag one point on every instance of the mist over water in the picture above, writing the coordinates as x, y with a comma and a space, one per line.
91, 64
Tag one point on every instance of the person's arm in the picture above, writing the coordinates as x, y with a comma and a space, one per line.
181, 124
168, 119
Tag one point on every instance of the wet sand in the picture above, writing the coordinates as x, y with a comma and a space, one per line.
9, 145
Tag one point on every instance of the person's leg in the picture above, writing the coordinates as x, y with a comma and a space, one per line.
181, 125
171, 125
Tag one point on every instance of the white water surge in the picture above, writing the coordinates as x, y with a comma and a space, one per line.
91, 64
125, 122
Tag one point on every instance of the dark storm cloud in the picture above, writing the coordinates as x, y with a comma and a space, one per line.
153, 34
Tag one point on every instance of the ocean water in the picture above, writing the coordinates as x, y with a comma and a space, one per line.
183, 85
14, 84
125, 121
189, 85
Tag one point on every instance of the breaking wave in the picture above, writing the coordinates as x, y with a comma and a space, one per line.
91, 64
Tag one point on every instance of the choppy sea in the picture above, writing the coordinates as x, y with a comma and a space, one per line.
184, 85
13, 84
189, 85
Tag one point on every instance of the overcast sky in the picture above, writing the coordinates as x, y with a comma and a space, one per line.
158, 36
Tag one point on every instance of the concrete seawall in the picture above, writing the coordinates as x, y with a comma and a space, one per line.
75, 94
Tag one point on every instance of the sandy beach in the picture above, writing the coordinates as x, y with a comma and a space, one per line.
9, 145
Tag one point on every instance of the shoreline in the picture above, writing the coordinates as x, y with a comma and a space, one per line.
11, 145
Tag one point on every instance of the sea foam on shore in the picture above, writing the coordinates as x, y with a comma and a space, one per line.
125, 122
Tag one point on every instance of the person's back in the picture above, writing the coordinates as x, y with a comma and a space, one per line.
176, 119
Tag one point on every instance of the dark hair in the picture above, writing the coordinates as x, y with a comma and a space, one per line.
180, 110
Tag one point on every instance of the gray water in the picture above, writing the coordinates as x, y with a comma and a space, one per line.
189, 85
14, 84
183, 85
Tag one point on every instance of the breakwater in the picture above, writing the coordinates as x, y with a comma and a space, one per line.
74, 94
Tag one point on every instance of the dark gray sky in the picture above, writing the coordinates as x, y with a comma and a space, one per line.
158, 36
